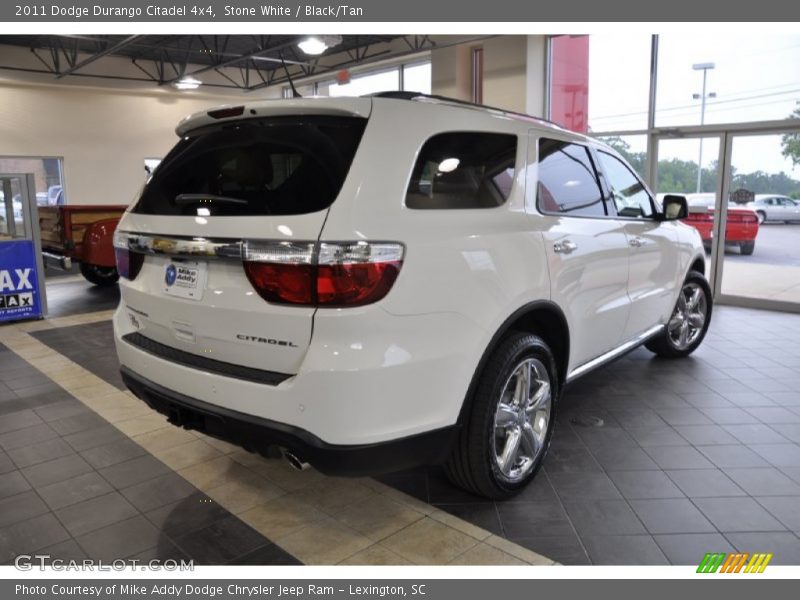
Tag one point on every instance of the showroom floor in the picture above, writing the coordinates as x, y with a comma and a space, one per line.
653, 462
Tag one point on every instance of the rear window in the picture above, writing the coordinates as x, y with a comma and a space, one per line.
273, 166
567, 180
463, 170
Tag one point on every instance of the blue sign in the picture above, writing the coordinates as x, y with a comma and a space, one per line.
19, 283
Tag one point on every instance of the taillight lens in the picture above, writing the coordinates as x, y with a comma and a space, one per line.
326, 275
128, 263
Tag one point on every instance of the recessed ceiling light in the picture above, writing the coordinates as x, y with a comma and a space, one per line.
187, 83
317, 44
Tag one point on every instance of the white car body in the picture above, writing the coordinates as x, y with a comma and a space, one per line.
773, 207
400, 367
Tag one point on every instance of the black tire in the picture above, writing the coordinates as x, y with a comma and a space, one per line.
472, 464
99, 275
762, 216
747, 248
663, 344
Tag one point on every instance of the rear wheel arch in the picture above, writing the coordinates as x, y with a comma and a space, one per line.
542, 318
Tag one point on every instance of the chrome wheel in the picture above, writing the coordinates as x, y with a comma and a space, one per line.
521, 420
689, 317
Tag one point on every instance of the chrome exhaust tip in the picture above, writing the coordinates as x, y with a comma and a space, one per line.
295, 462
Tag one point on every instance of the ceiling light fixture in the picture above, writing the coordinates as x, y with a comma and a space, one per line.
187, 83
317, 44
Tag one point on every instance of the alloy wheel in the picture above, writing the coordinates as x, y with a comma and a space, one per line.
689, 317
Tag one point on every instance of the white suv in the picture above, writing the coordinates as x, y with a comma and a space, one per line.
373, 283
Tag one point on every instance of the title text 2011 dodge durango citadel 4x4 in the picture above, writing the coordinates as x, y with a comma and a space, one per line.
372, 283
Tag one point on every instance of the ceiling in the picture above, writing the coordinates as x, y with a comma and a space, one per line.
239, 62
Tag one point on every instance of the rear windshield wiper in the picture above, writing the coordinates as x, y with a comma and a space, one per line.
187, 199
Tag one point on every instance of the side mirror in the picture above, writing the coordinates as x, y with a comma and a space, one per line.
675, 208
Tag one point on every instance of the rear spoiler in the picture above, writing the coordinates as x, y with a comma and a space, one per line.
346, 107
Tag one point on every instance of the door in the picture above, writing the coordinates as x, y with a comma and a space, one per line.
587, 250
22, 293
653, 275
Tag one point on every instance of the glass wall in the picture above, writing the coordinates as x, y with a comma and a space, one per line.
412, 77
48, 174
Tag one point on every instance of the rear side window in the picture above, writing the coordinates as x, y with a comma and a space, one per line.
567, 180
463, 170
273, 166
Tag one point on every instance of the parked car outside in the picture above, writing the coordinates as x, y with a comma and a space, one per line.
741, 226
771, 207
304, 277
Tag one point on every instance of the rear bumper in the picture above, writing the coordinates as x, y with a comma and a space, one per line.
262, 435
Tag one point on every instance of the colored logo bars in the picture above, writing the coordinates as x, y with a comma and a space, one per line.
721, 562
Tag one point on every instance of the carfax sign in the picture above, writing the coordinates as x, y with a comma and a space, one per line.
19, 284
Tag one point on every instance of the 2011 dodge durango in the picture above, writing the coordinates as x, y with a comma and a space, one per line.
369, 284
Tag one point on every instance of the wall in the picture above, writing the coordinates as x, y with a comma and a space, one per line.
102, 134
513, 72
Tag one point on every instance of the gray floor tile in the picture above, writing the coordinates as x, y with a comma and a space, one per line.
92, 438
221, 542
671, 515
26, 537
116, 452
705, 483
67, 550
701, 435
77, 423
38, 453
12, 483
785, 546
61, 410
196, 511
18, 420
603, 517
20, 438
565, 549
755, 433
583, 485
678, 457
789, 430
21, 507
120, 540
530, 519
131, 472
577, 460
764, 482
690, 548
777, 415
158, 491
6, 464
657, 436
684, 416
726, 457
95, 513
624, 459
728, 416
56, 470
644, 484
785, 508
779, 455
74, 490
737, 514
624, 550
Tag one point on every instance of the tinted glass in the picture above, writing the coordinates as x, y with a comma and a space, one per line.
463, 170
631, 198
567, 180
277, 166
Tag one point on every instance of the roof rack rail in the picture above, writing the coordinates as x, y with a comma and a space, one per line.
398, 95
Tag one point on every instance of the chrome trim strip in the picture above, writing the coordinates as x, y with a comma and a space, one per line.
613, 353
184, 247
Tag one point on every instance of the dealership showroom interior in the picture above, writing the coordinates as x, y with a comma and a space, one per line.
400, 299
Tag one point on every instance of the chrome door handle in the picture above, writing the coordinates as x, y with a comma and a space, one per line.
636, 242
565, 247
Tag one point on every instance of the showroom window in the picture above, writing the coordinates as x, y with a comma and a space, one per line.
410, 77
567, 180
463, 170
48, 175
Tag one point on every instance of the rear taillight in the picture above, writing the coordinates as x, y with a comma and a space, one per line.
735, 217
326, 274
128, 263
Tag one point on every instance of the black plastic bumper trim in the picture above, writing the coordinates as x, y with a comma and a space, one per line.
203, 363
263, 435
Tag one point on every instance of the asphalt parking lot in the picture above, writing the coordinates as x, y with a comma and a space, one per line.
776, 244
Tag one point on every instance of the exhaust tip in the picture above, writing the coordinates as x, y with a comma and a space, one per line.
295, 462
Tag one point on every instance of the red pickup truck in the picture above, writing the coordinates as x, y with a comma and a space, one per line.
82, 233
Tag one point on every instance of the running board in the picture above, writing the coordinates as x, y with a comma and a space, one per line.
614, 353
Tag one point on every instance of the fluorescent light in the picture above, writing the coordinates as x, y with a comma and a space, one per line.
313, 46
317, 44
187, 83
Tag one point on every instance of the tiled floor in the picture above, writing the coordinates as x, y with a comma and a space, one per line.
693, 456
131, 485
653, 462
